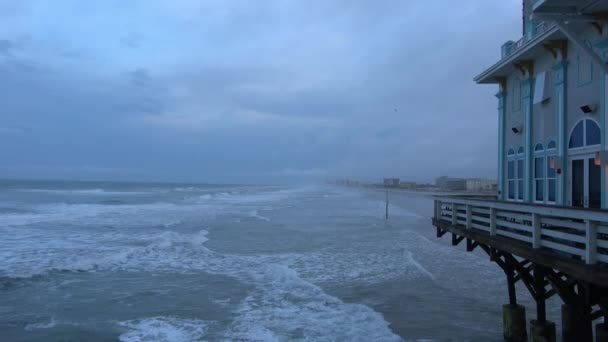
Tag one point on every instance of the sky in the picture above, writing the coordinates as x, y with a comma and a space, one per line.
242, 91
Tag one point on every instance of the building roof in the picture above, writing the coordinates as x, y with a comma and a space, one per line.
527, 48
524, 50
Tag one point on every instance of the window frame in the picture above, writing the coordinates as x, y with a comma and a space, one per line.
550, 151
539, 154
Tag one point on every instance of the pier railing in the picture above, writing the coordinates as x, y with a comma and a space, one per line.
579, 233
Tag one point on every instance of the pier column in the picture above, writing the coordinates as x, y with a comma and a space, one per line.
502, 97
576, 324
560, 83
601, 332
514, 323
541, 330
513, 315
527, 88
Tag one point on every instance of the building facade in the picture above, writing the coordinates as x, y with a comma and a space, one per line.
391, 182
552, 106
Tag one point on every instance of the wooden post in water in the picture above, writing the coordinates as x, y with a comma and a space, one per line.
386, 213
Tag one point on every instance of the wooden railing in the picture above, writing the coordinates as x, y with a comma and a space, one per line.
579, 233
513, 47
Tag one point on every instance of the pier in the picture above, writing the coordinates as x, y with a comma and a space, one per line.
552, 250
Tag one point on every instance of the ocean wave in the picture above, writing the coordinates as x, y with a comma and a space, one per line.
115, 214
51, 323
285, 306
163, 328
95, 191
255, 214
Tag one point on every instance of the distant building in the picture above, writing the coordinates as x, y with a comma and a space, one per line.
407, 185
456, 184
449, 183
391, 182
480, 184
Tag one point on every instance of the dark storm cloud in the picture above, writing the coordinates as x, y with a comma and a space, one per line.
243, 91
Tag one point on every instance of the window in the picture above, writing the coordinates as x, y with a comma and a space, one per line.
551, 183
577, 135
585, 133
592, 133
520, 179
520, 150
511, 179
539, 173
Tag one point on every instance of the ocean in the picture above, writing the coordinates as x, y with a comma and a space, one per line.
102, 261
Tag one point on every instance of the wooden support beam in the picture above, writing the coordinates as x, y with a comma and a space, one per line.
539, 288
471, 245
456, 239
440, 232
557, 48
526, 67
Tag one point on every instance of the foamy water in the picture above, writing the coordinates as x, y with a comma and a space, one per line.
183, 263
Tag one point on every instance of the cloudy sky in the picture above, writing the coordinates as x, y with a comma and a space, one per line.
249, 91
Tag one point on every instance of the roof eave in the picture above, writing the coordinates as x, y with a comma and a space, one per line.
493, 74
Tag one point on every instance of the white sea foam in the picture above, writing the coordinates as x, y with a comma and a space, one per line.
160, 213
41, 325
161, 328
284, 306
97, 191
256, 214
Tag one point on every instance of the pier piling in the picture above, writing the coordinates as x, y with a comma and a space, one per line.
514, 323
601, 332
542, 331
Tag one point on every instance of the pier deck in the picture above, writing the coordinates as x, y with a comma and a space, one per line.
553, 250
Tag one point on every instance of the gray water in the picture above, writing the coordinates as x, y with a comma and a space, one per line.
168, 262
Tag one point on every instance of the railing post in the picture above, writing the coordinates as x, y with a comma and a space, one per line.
454, 214
469, 217
535, 230
492, 221
590, 242
435, 216
439, 210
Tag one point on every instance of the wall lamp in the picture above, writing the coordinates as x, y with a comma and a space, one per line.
517, 129
588, 108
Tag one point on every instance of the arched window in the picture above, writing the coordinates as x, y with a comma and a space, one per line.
538, 147
520, 150
585, 133
551, 145
592, 133
511, 152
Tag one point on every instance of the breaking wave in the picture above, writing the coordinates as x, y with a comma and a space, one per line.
163, 329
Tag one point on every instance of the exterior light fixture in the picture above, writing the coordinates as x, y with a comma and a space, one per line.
517, 129
601, 157
588, 108
555, 163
